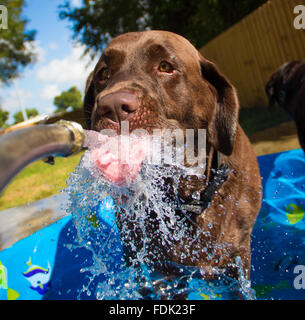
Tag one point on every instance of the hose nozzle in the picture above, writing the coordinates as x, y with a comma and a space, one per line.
77, 132
21, 147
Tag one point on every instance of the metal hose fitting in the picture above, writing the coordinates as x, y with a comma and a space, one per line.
21, 147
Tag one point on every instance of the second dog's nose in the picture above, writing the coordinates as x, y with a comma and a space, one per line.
118, 106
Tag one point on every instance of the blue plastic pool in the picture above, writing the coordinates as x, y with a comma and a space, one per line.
50, 265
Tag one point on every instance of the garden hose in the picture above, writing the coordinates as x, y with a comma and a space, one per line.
21, 147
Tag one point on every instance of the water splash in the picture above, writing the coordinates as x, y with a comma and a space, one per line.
147, 197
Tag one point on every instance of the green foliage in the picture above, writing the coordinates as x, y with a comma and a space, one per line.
3, 117
31, 113
70, 98
15, 49
96, 22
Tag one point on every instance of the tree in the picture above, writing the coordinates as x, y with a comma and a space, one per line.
31, 113
96, 22
15, 42
70, 98
3, 117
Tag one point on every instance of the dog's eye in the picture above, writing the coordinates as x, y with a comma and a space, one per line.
103, 74
166, 67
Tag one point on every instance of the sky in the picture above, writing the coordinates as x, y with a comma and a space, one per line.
59, 64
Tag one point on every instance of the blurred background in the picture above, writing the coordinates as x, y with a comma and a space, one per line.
48, 49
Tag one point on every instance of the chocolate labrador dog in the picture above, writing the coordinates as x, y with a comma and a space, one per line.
157, 79
287, 87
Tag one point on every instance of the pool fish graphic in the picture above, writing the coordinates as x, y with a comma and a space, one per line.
11, 294
38, 277
294, 213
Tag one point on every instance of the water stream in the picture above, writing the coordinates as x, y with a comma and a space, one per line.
106, 215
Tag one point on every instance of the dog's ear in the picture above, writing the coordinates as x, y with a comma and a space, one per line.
222, 128
89, 99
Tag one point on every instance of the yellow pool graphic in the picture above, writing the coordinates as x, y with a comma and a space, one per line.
11, 294
294, 213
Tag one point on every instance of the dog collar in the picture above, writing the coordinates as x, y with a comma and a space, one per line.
196, 207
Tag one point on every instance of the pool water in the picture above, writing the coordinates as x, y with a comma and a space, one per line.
278, 239
81, 256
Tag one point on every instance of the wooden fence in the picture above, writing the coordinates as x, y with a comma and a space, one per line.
252, 49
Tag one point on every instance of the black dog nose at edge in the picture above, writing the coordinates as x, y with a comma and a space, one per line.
118, 106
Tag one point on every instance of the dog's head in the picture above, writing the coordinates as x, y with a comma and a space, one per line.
158, 80
275, 86
286, 78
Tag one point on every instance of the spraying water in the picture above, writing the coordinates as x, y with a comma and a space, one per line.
122, 179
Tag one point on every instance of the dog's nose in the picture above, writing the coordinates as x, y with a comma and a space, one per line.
118, 106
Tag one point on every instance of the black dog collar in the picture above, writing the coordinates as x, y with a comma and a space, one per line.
196, 207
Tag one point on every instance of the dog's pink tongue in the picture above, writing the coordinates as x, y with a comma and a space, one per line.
120, 160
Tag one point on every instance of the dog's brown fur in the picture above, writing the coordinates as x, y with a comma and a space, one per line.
193, 95
286, 87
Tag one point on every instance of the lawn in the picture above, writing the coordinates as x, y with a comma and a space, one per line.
37, 181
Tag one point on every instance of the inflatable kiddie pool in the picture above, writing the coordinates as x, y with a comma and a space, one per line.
50, 264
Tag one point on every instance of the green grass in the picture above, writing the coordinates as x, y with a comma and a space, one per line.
37, 181
253, 120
